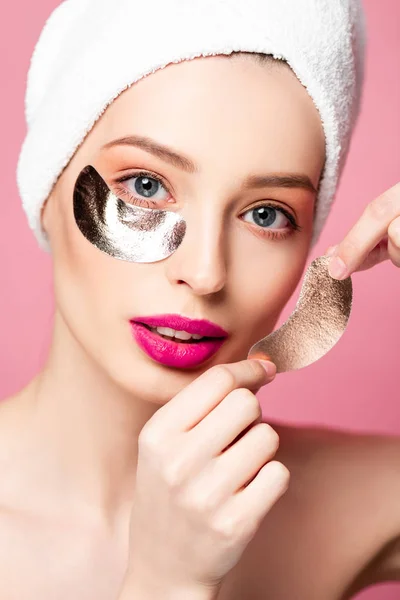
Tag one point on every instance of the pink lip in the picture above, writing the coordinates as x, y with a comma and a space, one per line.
175, 353
179, 323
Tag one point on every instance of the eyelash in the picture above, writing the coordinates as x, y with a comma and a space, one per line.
294, 227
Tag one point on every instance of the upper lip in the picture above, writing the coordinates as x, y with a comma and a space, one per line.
180, 323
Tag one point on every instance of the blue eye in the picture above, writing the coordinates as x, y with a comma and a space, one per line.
266, 215
146, 186
144, 189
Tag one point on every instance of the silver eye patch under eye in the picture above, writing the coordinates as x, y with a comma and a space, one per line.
136, 234
124, 231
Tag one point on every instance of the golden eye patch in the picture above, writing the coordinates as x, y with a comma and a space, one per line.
316, 324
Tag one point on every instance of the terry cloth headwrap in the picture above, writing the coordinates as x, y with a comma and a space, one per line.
89, 51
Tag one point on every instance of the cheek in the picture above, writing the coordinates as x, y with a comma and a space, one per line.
78, 291
87, 285
85, 273
266, 287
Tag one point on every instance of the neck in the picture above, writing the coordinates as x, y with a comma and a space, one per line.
85, 427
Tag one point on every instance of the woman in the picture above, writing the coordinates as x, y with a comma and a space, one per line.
131, 470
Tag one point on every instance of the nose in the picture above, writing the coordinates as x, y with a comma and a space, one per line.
200, 260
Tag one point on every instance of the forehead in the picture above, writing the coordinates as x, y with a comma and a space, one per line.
212, 105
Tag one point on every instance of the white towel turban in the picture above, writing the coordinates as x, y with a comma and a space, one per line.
89, 51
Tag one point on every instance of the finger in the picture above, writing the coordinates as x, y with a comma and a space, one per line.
203, 394
233, 469
373, 225
257, 498
241, 462
226, 423
376, 256
394, 242
388, 248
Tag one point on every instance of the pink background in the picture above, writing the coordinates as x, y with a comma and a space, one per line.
340, 390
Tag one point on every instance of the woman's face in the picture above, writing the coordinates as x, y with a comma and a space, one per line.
234, 118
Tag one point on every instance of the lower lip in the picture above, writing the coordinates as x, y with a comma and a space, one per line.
174, 354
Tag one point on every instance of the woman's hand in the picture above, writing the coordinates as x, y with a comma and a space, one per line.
205, 480
374, 238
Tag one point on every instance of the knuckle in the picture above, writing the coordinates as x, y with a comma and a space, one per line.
270, 436
349, 247
382, 206
281, 472
222, 375
231, 529
173, 474
149, 438
394, 232
247, 401
205, 501
257, 369
226, 528
197, 500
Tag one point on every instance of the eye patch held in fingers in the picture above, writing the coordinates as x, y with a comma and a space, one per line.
124, 231
136, 234
316, 324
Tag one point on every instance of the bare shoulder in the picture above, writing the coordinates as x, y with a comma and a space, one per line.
352, 480
334, 531
363, 465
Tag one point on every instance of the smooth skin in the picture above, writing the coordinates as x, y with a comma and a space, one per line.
375, 237
201, 476
89, 449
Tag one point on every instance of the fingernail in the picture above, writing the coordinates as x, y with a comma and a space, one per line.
337, 268
270, 367
331, 250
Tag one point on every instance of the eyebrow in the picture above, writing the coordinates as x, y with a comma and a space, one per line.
284, 180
